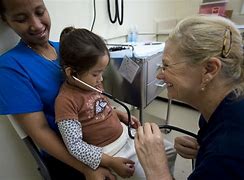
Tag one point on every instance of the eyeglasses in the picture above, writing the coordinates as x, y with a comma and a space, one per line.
165, 66
226, 51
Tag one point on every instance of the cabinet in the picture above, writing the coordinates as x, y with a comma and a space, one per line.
144, 86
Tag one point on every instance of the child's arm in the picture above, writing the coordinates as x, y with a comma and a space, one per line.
91, 155
123, 117
71, 132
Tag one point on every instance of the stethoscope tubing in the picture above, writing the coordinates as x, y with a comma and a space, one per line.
127, 110
160, 126
129, 114
178, 129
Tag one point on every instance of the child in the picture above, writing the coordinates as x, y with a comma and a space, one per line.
90, 127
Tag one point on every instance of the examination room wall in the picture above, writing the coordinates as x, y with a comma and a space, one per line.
15, 160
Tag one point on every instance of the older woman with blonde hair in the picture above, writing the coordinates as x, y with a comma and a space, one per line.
203, 65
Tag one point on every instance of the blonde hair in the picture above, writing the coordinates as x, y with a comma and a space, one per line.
201, 37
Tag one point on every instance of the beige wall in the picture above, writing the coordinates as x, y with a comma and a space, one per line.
236, 6
15, 161
141, 13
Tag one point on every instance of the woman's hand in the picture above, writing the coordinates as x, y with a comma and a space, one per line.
123, 167
99, 174
123, 117
150, 151
186, 146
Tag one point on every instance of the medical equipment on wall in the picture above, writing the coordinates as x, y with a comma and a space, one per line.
129, 114
117, 15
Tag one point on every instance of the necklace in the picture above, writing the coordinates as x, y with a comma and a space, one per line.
54, 53
45, 57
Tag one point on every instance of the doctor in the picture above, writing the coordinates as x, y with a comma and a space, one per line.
203, 65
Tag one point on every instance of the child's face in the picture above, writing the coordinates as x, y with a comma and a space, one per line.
94, 76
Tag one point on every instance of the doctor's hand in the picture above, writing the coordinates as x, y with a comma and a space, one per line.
187, 147
150, 151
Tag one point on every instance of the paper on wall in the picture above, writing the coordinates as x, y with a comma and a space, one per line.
128, 69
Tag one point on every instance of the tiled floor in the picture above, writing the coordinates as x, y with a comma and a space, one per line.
180, 116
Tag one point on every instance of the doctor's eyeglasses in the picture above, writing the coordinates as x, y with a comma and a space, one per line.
163, 67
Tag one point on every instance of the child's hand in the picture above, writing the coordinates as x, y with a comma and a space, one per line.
135, 123
123, 117
123, 167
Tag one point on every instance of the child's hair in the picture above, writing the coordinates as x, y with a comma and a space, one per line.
80, 49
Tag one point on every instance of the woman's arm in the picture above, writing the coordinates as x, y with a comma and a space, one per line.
36, 126
71, 131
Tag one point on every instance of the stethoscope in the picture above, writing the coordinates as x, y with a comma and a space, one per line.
117, 16
169, 127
